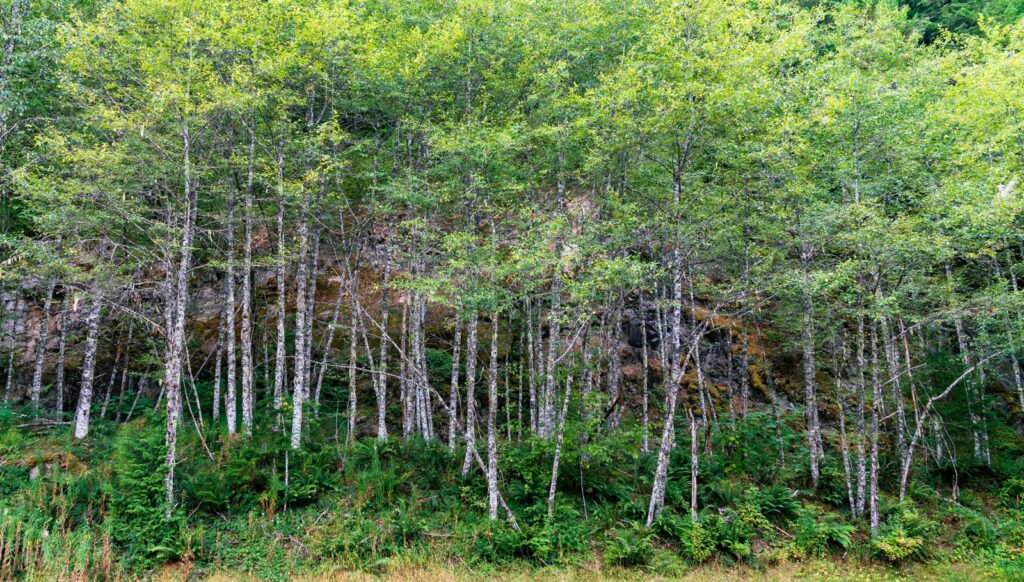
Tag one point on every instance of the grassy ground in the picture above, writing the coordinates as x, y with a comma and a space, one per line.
823, 571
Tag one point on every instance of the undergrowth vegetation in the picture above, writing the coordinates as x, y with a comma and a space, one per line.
95, 510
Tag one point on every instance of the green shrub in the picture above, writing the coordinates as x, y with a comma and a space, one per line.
775, 502
629, 545
696, 542
816, 534
902, 537
136, 517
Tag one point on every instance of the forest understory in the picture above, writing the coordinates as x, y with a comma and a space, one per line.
525, 289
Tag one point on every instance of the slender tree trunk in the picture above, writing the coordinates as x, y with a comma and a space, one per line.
861, 429
508, 399
280, 359
532, 381
615, 369
559, 440
965, 355
554, 331
407, 418
492, 432
62, 336
176, 333
299, 382
44, 327
892, 360
218, 357
645, 420
672, 389
231, 401
382, 368
121, 356
453, 397
809, 374
92, 323
745, 374
328, 342
694, 463
519, 395
125, 385
876, 399
471, 352
353, 338
248, 399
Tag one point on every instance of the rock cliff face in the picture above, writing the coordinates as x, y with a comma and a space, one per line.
724, 368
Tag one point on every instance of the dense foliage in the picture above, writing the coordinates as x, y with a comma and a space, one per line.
300, 285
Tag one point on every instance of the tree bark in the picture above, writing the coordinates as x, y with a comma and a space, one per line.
248, 399
280, 358
382, 365
92, 323
328, 342
453, 396
231, 398
44, 326
353, 338
176, 333
62, 336
471, 352
492, 432
559, 439
299, 382
811, 415
218, 357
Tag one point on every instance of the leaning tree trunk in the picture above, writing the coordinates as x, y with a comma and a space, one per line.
559, 439
328, 342
92, 323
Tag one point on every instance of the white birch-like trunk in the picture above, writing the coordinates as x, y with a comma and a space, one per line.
248, 399
492, 432
559, 439
231, 398
299, 382
382, 364
92, 323
471, 349
44, 326
280, 357
453, 396
62, 338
